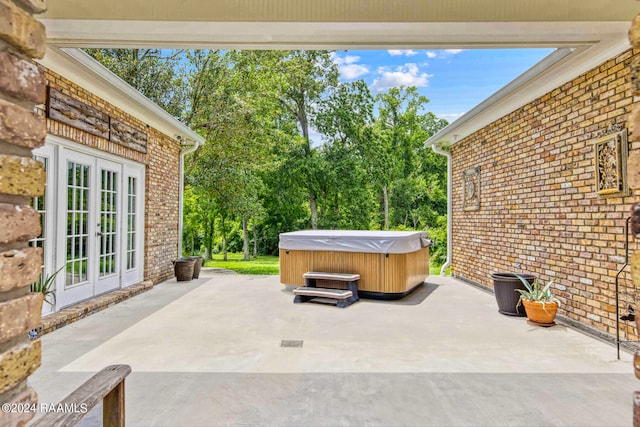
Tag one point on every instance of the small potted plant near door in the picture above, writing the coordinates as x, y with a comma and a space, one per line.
45, 287
539, 302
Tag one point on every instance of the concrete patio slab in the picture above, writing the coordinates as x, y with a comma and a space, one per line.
208, 353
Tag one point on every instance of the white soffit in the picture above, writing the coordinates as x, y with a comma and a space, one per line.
345, 10
88, 73
327, 35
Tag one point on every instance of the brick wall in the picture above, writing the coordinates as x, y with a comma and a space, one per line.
162, 207
162, 174
539, 209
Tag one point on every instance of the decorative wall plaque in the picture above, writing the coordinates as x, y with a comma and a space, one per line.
128, 136
72, 112
611, 151
471, 189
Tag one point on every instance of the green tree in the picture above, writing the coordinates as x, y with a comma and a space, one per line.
156, 73
298, 80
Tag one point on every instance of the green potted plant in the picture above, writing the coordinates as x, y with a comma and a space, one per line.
539, 302
44, 285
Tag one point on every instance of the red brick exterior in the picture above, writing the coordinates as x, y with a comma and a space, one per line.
539, 208
162, 175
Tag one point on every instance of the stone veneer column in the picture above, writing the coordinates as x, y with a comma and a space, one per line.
22, 87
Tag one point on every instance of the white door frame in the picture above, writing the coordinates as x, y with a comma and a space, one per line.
59, 151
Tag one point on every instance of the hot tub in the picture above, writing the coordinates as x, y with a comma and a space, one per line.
390, 263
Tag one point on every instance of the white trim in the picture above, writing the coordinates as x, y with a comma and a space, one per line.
549, 74
57, 140
88, 73
327, 35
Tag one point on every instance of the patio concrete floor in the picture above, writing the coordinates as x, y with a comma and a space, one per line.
208, 353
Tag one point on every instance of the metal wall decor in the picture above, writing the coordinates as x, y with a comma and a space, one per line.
610, 152
471, 189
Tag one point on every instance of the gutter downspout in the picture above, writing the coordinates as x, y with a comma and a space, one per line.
447, 263
183, 152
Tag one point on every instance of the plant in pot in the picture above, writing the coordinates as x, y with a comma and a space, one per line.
539, 302
44, 285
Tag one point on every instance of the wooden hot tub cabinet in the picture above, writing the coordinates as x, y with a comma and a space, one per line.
390, 264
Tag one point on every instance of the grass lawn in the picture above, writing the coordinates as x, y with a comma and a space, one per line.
261, 265
264, 264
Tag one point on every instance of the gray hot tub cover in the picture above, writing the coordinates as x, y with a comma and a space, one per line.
387, 242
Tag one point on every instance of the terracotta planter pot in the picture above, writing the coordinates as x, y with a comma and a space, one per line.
539, 313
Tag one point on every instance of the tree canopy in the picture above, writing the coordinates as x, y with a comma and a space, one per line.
289, 146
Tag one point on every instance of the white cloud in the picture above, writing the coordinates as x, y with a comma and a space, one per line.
405, 75
408, 52
348, 59
431, 54
348, 67
450, 117
353, 71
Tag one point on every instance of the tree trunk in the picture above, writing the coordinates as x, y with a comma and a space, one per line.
314, 210
224, 241
336, 211
209, 229
255, 240
385, 198
245, 238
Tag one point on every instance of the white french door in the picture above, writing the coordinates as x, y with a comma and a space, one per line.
133, 225
77, 224
98, 212
107, 252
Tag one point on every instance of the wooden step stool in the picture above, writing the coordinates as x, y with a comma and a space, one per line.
342, 297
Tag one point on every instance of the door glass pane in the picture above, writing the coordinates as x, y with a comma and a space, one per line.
39, 205
108, 229
131, 223
77, 230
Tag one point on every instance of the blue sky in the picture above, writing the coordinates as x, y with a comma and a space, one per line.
454, 80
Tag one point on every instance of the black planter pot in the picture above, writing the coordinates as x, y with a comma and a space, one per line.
197, 266
183, 268
505, 286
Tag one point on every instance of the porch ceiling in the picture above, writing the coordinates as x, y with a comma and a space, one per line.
334, 23
346, 10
